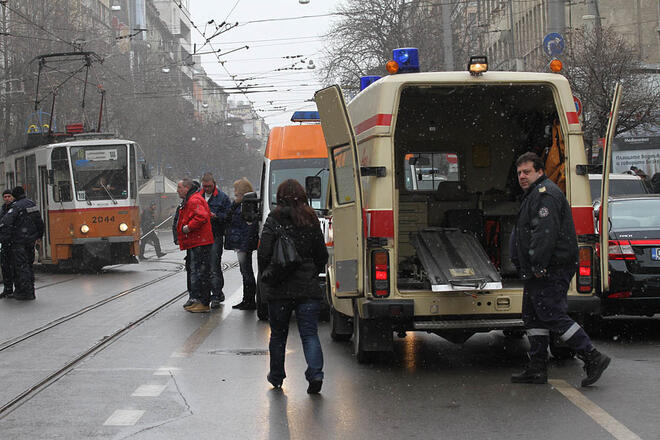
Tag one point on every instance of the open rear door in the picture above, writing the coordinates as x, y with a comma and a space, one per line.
346, 192
603, 215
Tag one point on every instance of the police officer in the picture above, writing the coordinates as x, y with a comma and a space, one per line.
148, 224
5, 252
24, 222
544, 249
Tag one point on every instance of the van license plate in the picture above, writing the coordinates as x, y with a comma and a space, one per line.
655, 253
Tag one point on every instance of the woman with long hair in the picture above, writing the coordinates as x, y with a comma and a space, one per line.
243, 238
299, 291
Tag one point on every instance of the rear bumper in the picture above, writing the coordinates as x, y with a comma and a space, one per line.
589, 305
631, 306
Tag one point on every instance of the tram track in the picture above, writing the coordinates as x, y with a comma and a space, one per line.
36, 388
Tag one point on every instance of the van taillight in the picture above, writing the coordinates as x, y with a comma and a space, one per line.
380, 273
585, 278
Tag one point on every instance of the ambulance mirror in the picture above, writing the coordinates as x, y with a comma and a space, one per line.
313, 187
250, 207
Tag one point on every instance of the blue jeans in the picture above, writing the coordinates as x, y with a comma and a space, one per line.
307, 315
217, 278
249, 283
200, 273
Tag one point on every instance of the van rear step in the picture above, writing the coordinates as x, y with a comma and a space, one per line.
492, 324
455, 261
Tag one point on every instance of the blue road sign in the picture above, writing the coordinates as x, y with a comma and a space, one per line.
553, 44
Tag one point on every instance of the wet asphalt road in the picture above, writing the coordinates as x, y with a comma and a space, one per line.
182, 375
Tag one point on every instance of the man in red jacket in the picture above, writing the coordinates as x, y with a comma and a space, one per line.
194, 233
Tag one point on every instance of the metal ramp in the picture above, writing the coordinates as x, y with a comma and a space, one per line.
454, 260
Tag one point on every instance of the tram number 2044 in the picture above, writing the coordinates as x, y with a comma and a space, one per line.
101, 219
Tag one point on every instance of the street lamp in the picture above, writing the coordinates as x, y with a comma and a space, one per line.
303, 2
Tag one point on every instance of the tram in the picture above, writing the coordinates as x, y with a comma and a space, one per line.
86, 188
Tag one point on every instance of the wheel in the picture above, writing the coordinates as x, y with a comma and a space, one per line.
561, 352
262, 306
514, 334
340, 326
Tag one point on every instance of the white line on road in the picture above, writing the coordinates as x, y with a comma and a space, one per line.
149, 390
124, 417
165, 371
598, 414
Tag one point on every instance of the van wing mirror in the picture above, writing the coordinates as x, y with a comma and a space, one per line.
251, 207
313, 187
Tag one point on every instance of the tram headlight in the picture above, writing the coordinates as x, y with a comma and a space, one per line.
84, 229
123, 227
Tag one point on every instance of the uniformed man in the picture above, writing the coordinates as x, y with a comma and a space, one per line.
23, 222
5, 252
544, 249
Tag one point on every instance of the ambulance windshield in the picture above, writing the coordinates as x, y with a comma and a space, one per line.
425, 171
281, 170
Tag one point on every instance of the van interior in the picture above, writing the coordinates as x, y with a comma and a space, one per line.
458, 193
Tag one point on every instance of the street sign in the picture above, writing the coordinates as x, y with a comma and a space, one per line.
578, 105
553, 44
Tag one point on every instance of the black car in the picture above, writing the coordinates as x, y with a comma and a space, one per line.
634, 256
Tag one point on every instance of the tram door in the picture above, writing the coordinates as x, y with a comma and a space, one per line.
44, 249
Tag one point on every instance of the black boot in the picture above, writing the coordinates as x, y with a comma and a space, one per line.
595, 363
534, 373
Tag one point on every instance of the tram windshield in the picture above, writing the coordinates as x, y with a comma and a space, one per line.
100, 172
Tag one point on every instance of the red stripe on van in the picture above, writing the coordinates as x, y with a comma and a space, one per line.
583, 218
572, 118
379, 119
378, 223
645, 242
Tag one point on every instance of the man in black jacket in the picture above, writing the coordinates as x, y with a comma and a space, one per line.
24, 225
148, 227
544, 249
5, 253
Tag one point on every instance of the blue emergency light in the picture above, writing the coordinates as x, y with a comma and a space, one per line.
366, 81
407, 58
306, 116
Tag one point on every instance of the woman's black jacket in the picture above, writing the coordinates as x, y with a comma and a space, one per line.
310, 244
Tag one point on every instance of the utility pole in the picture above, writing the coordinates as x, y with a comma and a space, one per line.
447, 35
557, 16
4, 142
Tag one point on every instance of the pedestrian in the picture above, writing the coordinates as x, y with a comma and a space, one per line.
243, 237
148, 226
655, 183
299, 290
544, 249
24, 225
5, 252
219, 204
195, 235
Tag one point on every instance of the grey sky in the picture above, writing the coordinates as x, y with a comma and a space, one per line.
269, 42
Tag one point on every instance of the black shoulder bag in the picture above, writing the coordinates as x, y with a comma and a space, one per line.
284, 260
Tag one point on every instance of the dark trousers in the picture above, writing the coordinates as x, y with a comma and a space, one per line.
152, 239
247, 273
199, 259
22, 255
307, 316
7, 268
544, 311
217, 277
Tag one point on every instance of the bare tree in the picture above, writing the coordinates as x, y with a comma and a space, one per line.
593, 63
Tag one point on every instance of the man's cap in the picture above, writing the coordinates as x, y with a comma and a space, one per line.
5, 192
17, 192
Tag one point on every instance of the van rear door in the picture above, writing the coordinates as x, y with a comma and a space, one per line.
603, 216
346, 192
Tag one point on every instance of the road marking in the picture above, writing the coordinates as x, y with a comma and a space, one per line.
149, 390
124, 417
598, 414
165, 371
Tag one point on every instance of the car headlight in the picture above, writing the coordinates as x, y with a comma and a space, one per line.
123, 227
84, 229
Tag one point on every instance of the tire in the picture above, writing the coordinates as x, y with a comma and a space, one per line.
359, 339
514, 334
337, 321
